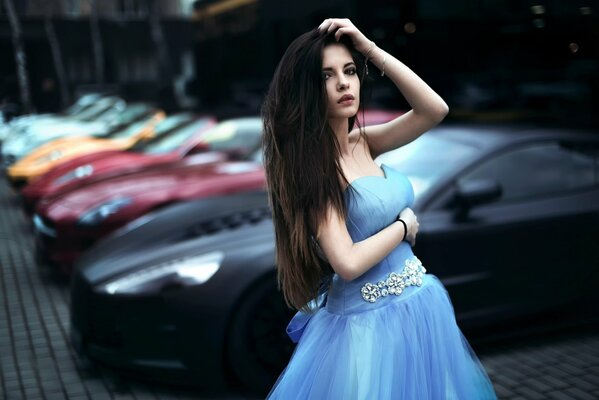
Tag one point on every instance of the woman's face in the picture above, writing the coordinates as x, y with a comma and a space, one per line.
341, 82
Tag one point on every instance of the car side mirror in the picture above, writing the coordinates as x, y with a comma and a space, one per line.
473, 193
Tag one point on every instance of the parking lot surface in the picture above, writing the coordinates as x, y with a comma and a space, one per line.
38, 362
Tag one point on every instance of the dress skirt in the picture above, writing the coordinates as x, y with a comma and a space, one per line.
409, 348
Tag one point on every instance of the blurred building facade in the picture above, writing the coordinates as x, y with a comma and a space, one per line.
481, 55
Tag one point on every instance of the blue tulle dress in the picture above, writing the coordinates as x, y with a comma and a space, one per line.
388, 334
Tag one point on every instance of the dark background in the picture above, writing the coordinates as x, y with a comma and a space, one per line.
489, 59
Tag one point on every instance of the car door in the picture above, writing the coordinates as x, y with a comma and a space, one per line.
532, 248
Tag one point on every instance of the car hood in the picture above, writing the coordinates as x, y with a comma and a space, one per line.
158, 235
174, 180
28, 140
65, 147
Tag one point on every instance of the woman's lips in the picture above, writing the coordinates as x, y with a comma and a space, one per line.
346, 99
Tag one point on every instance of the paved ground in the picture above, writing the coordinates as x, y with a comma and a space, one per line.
37, 362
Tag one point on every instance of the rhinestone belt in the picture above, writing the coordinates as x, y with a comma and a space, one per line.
395, 282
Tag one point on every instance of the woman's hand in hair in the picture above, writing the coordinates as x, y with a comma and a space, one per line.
408, 216
343, 26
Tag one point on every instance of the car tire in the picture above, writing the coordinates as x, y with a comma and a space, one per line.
258, 347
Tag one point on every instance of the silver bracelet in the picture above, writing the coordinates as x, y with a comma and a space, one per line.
383, 66
367, 56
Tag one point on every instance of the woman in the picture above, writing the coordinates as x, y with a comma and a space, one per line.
373, 324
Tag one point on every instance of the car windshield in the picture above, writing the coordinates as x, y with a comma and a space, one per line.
130, 130
427, 160
241, 134
77, 109
131, 113
101, 109
174, 138
127, 122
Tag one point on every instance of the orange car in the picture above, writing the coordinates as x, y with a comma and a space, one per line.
58, 151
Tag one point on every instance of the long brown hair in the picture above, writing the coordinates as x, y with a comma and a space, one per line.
301, 158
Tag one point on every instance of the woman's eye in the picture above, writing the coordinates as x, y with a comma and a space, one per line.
350, 71
326, 76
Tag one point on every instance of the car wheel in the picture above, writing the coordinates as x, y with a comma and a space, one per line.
258, 346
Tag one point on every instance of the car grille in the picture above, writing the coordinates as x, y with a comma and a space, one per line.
228, 222
103, 324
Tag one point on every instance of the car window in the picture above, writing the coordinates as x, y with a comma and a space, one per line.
428, 159
235, 134
171, 122
172, 139
539, 169
130, 130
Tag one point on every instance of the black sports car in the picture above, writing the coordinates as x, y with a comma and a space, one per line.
509, 220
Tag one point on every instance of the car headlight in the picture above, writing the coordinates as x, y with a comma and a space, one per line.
99, 213
193, 270
77, 173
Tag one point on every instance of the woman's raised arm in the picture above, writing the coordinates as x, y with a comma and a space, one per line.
428, 108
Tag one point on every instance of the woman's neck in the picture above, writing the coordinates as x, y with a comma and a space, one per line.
341, 126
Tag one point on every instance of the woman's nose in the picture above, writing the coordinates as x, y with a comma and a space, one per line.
343, 83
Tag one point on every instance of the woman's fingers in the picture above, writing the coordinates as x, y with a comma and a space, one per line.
340, 32
324, 26
331, 24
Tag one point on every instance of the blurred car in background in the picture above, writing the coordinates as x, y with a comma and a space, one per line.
71, 222
97, 119
509, 221
194, 136
43, 158
84, 102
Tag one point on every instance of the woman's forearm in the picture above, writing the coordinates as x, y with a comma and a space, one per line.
365, 254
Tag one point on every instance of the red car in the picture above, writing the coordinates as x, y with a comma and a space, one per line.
176, 137
69, 224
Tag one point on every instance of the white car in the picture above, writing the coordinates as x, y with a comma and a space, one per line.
93, 120
80, 105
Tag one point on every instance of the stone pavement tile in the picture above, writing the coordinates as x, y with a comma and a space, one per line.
97, 388
12, 384
516, 372
555, 372
52, 386
101, 396
582, 384
29, 382
530, 394
553, 382
569, 369
507, 381
56, 396
31, 392
536, 385
580, 394
14, 395
502, 391
75, 389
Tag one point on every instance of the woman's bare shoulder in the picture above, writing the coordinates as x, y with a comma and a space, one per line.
356, 138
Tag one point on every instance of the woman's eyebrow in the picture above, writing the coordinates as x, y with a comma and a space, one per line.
345, 66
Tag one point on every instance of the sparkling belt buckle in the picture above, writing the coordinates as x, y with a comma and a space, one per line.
396, 282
